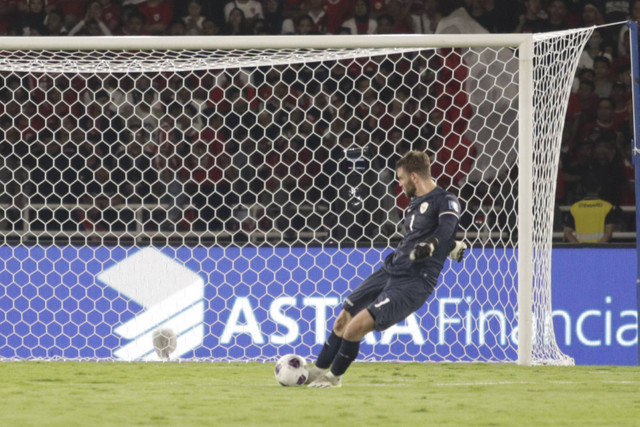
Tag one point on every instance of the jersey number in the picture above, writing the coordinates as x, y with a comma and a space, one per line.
413, 218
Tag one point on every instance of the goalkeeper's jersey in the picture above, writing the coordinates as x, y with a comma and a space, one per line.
423, 218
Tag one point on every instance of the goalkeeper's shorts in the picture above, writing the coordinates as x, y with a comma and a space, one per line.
389, 299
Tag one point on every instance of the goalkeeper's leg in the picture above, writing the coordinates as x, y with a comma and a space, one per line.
356, 329
330, 347
360, 298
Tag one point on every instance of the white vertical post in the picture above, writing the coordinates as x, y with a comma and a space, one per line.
525, 202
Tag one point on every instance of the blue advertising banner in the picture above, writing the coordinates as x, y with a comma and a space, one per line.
594, 303
260, 302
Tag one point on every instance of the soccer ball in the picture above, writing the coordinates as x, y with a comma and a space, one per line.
164, 342
291, 370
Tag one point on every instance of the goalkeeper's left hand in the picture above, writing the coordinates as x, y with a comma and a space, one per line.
424, 249
457, 253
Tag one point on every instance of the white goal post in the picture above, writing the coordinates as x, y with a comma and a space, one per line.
234, 189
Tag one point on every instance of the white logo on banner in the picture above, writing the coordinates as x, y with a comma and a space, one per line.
172, 295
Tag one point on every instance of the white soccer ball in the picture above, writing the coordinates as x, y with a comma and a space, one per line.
291, 370
164, 342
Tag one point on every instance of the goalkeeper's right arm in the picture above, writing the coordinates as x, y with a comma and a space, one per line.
457, 253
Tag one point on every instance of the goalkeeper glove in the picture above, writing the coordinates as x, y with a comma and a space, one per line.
457, 253
424, 249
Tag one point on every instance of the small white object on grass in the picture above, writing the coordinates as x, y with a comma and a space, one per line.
164, 342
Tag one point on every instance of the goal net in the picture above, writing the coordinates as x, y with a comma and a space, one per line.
232, 191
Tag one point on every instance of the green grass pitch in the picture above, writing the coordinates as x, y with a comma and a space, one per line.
373, 394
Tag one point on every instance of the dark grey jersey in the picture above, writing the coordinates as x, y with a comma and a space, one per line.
435, 214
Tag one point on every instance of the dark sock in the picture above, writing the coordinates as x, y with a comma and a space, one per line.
347, 354
329, 350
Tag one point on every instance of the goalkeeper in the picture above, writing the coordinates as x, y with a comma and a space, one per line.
407, 277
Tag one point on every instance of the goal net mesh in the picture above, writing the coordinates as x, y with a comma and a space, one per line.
236, 196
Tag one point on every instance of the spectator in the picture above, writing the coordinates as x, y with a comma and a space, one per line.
92, 18
602, 76
206, 185
623, 36
533, 19
621, 65
194, 18
158, 15
590, 220
400, 18
337, 12
587, 100
606, 167
7, 13
34, 116
595, 47
396, 113
214, 10
620, 98
143, 173
133, 22
604, 119
315, 10
73, 10
100, 124
557, 11
627, 193
210, 28
574, 12
67, 163
251, 9
110, 14
616, 10
127, 175
177, 28
236, 24
425, 17
582, 75
385, 24
361, 23
304, 25
32, 21
274, 21
102, 195
591, 14
483, 11
573, 121
41, 163
452, 155
55, 23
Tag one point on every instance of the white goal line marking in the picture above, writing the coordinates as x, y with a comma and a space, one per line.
483, 383
494, 383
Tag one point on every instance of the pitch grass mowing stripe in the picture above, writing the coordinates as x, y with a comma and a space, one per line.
373, 394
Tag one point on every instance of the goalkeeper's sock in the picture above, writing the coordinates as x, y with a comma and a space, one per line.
347, 354
329, 350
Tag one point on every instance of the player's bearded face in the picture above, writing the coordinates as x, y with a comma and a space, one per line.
407, 185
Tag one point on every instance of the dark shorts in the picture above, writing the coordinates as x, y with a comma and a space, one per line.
389, 299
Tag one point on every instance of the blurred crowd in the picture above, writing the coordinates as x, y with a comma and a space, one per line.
596, 143
271, 17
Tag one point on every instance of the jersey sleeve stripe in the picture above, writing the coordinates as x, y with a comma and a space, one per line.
448, 212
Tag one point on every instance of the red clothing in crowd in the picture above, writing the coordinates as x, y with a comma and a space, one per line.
337, 12
111, 16
75, 8
453, 161
160, 14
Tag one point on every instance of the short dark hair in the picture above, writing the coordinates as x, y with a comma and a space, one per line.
415, 161
602, 59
